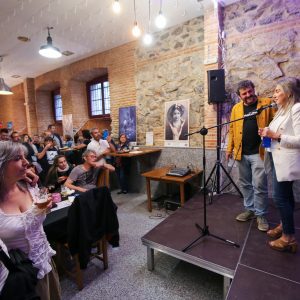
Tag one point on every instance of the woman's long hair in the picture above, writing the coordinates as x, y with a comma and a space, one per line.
291, 87
8, 151
53, 169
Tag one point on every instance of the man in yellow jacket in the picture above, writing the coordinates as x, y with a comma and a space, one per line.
245, 146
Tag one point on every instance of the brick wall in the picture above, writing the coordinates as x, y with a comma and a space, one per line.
12, 108
122, 66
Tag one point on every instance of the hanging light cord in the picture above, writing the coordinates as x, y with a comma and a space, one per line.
1, 60
160, 6
149, 18
134, 10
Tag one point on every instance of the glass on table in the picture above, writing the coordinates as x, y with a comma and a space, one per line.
64, 191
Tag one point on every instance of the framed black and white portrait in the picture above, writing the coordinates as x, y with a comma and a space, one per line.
177, 123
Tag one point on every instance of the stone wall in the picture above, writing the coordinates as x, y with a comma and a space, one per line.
262, 42
172, 69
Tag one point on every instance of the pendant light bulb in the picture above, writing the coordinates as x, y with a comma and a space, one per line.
49, 50
160, 21
116, 7
136, 31
147, 39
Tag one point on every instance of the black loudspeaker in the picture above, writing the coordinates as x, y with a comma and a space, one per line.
216, 86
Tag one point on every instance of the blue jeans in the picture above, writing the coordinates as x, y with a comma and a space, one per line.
283, 198
253, 184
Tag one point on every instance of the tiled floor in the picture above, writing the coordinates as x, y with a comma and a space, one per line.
127, 276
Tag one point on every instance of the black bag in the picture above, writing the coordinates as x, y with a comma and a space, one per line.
22, 278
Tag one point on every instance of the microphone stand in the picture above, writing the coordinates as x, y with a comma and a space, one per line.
218, 164
204, 230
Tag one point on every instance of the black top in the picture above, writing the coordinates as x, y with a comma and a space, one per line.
48, 159
251, 140
30, 153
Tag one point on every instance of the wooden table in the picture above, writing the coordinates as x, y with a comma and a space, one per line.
160, 175
133, 153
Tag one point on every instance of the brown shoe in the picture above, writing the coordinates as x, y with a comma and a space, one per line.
282, 245
276, 232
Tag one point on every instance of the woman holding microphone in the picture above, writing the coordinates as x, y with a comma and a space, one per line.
283, 160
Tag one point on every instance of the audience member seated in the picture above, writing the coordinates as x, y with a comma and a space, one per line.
123, 164
97, 144
4, 134
15, 137
31, 152
58, 173
86, 139
84, 177
68, 141
56, 137
36, 141
81, 144
46, 155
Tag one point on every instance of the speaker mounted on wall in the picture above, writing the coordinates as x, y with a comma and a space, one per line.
216, 86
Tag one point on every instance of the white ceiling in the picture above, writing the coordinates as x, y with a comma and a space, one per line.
84, 27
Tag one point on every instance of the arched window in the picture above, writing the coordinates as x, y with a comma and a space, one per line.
57, 104
98, 97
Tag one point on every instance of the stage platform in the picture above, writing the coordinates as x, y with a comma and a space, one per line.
254, 268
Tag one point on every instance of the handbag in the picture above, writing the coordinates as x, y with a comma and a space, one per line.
22, 277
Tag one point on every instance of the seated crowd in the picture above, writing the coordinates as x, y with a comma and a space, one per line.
49, 161
63, 161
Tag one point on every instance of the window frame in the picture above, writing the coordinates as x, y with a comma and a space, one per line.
54, 93
101, 80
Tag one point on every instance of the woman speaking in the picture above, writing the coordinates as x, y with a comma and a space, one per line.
284, 160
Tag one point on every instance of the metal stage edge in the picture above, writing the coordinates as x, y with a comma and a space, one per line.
227, 274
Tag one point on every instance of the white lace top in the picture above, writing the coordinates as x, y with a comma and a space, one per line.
25, 232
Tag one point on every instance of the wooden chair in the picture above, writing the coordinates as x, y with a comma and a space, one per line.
101, 246
70, 265
103, 178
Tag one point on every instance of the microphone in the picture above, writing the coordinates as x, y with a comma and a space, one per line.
259, 110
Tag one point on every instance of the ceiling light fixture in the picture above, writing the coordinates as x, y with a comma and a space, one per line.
136, 31
160, 20
147, 39
49, 50
116, 7
4, 88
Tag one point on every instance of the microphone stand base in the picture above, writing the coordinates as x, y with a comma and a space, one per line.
205, 232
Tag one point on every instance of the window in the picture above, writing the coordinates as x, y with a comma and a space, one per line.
58, 111
99, 97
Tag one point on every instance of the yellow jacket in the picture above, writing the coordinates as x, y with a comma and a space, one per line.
236, 128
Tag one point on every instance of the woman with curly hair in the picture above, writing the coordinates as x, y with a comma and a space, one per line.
176, 126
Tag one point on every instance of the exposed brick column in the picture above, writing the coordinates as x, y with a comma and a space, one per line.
30, 106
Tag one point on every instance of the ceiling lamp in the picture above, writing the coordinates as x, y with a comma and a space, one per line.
116, 7
4, 88
136, 31
160, 20
49, 50
147, 39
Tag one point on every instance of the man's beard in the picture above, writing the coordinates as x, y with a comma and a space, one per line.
251, 99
